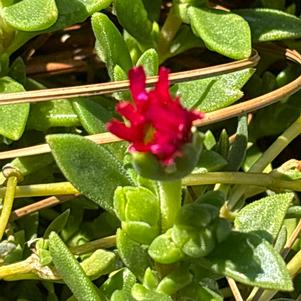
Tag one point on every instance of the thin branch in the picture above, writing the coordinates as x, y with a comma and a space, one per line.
290, 242
101, 243
111, 87
234, 289
45, 203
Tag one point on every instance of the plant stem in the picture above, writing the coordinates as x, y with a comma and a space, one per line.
169, 30
258, 179
170, 202
294, 265
170, 191
269, 155
8, 203
61, 188
101, 243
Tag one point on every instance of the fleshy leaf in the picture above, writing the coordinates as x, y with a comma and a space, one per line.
150, 62
265, 216
270, 24
76, 11
92, 115
213, 93
141, 293
119, 283
91, 168
133, 17
13, 117
133, 255
31, 15
249, 259
110, 45
221, 31
58, 113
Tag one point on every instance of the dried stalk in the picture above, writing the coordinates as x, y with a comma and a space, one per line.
111, 87
210, 118
45, 203
235, 291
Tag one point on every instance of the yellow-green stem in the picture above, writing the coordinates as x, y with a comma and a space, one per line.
61, 188
168, 31
170, 202
240, 178
268, 156
91, 246
7, 203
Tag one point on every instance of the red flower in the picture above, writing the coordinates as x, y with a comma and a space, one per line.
156, 122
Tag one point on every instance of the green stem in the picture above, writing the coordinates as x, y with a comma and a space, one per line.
169, 30
170, 191
241, 178
14, 270
7, 203
29, 268
61, 188
170, 202
91, 246
269, 155
294, 266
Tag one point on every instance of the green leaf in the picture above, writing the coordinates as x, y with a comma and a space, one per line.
238, 149
184, 40
210, 161
17, 71
118, 75
141, 293
270, 25
249, 259
92, 115
101, 262
150, 62
31, 15
265, 216
92, 169
213, 93
139, 210
133, 17
76, 11
57, 224
13, 117
110, 46
221, 31
153, 8
71, 271
174, 281
164, 250
119, 281
58, 113
133, 255
198, 293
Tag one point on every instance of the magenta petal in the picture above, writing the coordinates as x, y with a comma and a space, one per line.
127, 110
120, 130
137, 84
